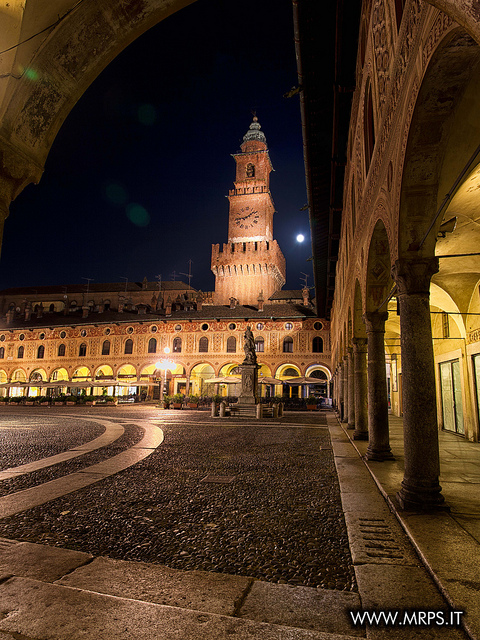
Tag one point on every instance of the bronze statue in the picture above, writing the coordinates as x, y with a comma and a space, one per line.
249, 347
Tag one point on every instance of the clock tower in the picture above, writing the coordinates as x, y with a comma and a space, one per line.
251, 264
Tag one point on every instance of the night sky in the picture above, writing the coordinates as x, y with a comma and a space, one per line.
136, 180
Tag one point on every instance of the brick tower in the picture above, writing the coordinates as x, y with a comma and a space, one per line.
251, 264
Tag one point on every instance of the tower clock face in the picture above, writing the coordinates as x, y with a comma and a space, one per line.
247, 218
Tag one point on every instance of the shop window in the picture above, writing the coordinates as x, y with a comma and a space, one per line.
177, 345
128, 346
61, 350
152, 345
288, 345
203, 345
82, 350
317, 345
41, 352
259, 345
106, 348
231, 344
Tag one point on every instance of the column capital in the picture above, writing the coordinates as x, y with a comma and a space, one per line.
413, 275
375, 321
360, 345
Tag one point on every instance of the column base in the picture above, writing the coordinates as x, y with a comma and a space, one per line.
379, 454
360, 435
350, 425
421, 498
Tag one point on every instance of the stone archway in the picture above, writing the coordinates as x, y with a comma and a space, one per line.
47, 79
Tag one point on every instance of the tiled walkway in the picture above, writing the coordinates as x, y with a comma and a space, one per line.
448, 542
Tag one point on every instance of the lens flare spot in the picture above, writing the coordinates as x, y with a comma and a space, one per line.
138, 215
31, 74
147, 114
116, 193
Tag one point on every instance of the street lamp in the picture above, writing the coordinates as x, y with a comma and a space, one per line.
164, 365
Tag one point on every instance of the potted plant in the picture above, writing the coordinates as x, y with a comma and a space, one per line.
178, 399
193, 402
166, 401
311, 403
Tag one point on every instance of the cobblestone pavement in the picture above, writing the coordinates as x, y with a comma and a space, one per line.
231, 495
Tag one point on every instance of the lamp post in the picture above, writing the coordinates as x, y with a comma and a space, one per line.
164, 365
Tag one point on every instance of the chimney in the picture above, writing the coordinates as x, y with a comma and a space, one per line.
233, 303
120, 307
144, 283
168, 309
141, 309
28, 311
85, 311
306, 296
260, 301
10, 315
199, 301
101, 307
40, 311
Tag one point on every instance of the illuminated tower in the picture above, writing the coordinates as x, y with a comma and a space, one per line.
251, 263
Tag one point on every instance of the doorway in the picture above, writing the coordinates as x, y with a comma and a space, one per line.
452, 406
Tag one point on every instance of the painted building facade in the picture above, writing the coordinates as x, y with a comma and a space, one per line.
112, 336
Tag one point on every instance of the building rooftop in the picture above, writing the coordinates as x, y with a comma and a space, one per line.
211, 312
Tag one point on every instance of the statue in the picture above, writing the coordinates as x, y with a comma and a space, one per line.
249, 347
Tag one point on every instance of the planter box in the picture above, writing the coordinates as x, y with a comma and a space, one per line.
177, 405
58, 403
193, 405
30, 404
311, 407
69, 402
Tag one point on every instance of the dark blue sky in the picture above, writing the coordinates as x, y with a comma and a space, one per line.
136, 180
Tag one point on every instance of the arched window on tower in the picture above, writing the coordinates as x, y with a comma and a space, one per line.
259, 345
203, 345
128, 346
61, 350
20, 352
177, 345
288, 345
250, 170
2, 353
82, 351
106, 348
152, 345
231, 344
317, 345
40, 351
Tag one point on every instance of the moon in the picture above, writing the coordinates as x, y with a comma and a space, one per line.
300, 237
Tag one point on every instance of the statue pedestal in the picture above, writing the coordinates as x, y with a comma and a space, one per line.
248, 394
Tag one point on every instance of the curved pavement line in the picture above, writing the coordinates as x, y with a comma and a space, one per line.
112, 432
35, 496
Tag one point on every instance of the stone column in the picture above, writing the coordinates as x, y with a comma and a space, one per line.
379, 440
339, 389
351, 390
420, 486
344, 417
361, 391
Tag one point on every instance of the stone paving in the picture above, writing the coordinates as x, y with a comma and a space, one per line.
237, 529
231, 497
